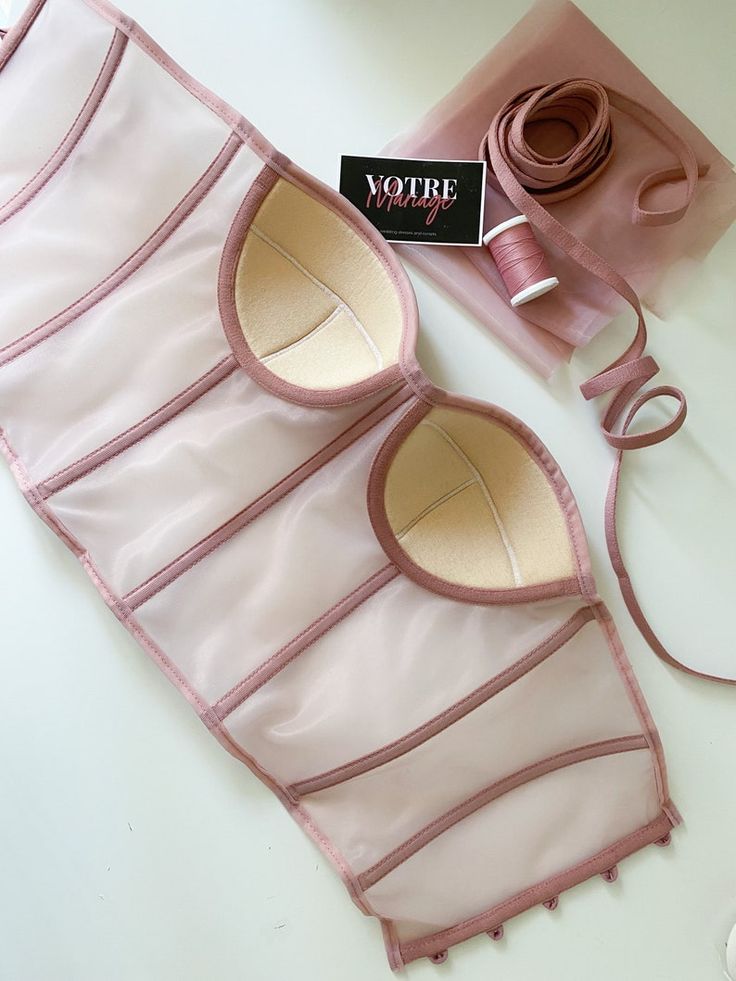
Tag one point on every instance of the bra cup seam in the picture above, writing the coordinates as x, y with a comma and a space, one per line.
340, 302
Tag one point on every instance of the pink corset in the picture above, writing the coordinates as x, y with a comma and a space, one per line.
375, 594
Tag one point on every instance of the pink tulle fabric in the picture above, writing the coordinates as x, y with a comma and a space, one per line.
552, 42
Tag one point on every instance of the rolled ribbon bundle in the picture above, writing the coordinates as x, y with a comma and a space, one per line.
583, 105
530, 180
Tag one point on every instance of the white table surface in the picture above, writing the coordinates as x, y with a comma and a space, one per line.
132, 847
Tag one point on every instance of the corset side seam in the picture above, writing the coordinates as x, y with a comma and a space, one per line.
96, 96
551, 645
635, 742
277, 661
17, 32
186, 560
176, 217
623, 665
140, 430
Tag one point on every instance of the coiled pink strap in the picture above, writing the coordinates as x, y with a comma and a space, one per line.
530, 181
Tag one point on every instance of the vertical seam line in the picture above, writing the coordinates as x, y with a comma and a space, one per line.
454, 713
433, 507
200, 550
511, 554
191, 200
250, 684
540, 768
287, 348
335, 297
24, 195
123, 441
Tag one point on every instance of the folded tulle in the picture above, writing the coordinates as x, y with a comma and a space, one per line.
555, 41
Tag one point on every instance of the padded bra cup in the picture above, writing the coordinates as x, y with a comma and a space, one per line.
316, 306
469, 504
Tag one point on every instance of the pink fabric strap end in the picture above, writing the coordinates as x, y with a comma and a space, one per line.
531, 180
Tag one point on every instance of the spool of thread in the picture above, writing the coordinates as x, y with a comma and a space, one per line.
520, 259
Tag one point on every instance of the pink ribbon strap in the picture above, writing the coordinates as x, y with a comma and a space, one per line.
531, 181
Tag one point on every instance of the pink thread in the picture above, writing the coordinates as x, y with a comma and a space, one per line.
520, 260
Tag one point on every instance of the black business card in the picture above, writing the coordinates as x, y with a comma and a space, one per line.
427, 202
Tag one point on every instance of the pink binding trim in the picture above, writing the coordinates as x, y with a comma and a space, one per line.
15, 34
582, 585
606, 747
624, 580
86, 114
541, 891
164, 577
640, 706
310, 635
180, 213
123, 441
550, 645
